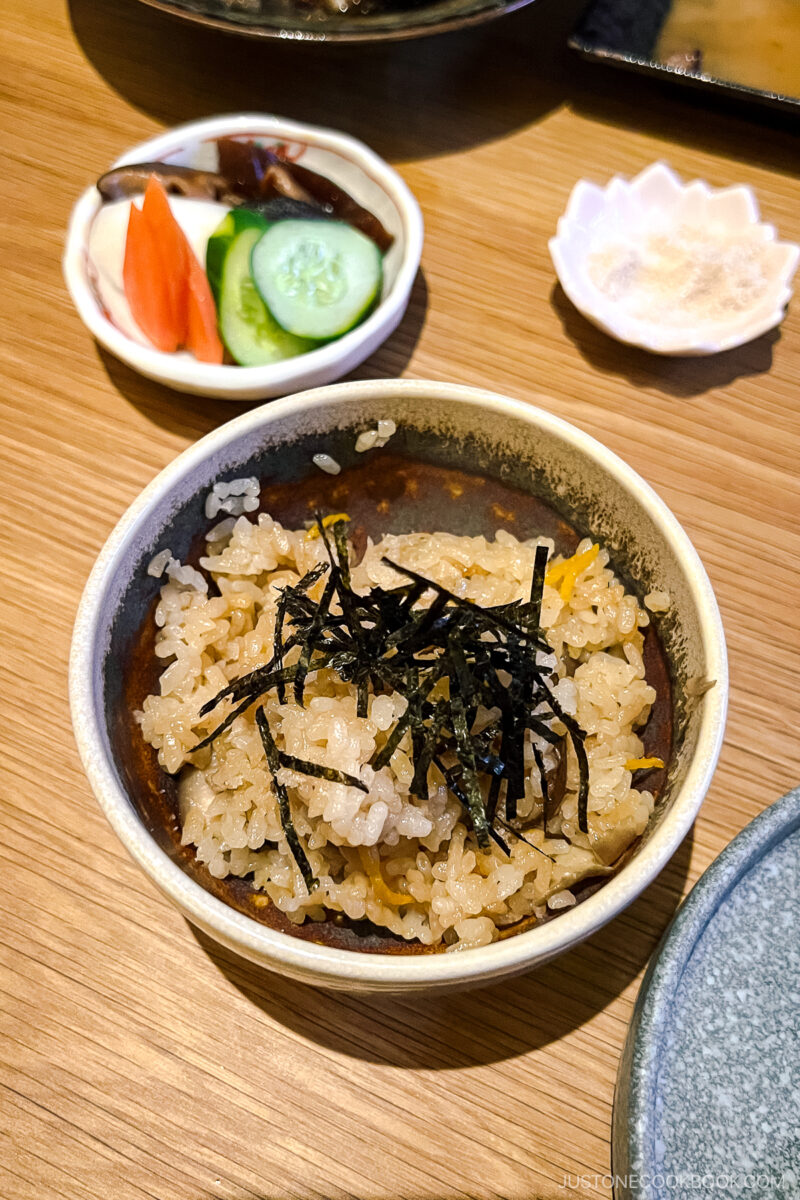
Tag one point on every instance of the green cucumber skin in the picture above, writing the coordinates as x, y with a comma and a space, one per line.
358, 273
248, 329
236, 221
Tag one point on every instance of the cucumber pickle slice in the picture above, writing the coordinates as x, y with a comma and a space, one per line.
237, 220
318, 278
248, 329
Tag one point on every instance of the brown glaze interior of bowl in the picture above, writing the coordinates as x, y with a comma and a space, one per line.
386, 493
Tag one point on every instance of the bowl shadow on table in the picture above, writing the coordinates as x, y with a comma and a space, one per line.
464, 88
508, 1019
192, 417
698, 118
680, 377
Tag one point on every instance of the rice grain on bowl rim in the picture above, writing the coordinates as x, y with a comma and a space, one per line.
408, 865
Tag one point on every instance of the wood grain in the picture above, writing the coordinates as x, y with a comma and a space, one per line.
137, 1060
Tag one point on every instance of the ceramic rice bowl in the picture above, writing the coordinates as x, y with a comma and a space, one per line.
519, 468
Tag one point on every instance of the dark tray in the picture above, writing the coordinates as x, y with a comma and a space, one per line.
625, 33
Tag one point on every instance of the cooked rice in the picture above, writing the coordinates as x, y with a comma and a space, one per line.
375, 439
366, 440
326, 463
234, 496
186, 575
409, 865
657, 602
158, 563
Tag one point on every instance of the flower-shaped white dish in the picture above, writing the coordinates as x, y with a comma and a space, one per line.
675, 268
339, 158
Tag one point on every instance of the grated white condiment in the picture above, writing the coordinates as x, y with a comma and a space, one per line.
327, 464
685, 275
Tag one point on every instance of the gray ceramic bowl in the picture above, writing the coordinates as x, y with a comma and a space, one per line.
706, 1098
516, 466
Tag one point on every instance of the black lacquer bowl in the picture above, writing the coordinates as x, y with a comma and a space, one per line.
318, 21
462, 460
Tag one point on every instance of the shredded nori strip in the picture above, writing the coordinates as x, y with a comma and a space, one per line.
493, 798
583, 782
304, 767
342, 553
382, 756
425, 741
231, 717
305, 583
387, 640
521, 837
315, 628
491, 616
534, 614
539, 760
466, 753
273, 762
451, 777
576, 737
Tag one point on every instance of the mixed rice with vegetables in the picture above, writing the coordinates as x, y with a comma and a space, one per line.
440, 738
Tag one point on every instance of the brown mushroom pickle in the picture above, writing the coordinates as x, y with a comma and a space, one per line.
250, 176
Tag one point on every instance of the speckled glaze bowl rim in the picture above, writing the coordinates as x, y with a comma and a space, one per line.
235, 382
395, 972
641, 1058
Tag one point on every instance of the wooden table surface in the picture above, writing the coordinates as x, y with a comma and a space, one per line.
136, 1059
